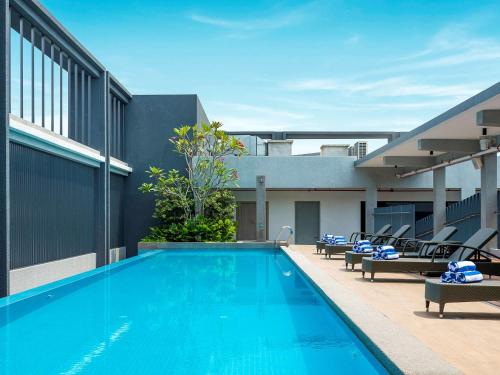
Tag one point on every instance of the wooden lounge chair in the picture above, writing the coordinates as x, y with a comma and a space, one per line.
423, 248
320, 245
442, 293
392, 240
469, 249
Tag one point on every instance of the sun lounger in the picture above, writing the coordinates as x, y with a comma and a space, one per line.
320, 245
424, 248
472, 247
372, 237
442, 293
384, 239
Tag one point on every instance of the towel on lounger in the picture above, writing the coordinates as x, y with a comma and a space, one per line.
462, 273
362, 242
462, 266
327, 237
468, 277
448, 277
362, 249
339, 240
385, 253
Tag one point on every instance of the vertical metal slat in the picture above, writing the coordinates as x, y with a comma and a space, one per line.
89, 107
70, 121
118, 136
43, 80
83, 104
123, 133
75, 91
52, 86
60, 92
32, 75
21, 67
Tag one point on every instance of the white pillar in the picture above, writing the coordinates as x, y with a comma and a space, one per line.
439, 198
370, 205
260, 198
489, 194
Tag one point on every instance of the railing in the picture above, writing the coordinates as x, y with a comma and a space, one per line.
118, 101
464, 215
57, 84
424, 228
277, 241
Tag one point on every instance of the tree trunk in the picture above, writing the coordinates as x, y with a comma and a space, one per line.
198, 208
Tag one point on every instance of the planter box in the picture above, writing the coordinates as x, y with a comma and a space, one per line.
204, 245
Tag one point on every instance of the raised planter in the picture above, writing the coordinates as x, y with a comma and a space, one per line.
204, 245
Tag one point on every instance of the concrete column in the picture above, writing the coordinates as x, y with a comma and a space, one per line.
260, 198
439, 198
4, 148
103, 179
370, 205
489, 193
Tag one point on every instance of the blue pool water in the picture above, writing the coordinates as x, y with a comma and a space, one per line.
182, 312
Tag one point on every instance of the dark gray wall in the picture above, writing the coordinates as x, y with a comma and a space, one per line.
53, 204
150, 120
117, 199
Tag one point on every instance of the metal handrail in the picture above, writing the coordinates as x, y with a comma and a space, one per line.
463, 218
290, 234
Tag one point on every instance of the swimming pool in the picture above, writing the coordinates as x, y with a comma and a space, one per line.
181, 312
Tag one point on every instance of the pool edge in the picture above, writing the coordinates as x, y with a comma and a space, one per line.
5, 301
397, 350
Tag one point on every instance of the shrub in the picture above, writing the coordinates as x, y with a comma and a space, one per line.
198, 206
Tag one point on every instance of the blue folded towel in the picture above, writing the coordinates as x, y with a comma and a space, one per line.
467, 277
390, 255
339, 240
362, 249
385, 253
463, 272
362, 242
462, 266
385, 248
448, 277
326, 237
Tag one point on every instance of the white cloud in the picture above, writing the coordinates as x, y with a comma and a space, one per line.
389, 87
252, 109
452, 45
273, 19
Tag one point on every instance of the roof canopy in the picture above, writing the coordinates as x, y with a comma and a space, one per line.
449, 136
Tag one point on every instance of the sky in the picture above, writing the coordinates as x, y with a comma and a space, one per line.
297, 65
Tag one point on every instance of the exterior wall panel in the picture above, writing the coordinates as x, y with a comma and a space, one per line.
116, 211
52, 207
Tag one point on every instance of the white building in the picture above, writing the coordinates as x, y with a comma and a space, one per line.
334, 193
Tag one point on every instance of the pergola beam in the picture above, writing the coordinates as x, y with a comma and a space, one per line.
449, 145
410, 161
488, 118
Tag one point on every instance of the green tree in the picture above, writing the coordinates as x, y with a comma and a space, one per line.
204, 148
197, 206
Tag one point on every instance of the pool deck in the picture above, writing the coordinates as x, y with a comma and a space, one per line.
391, 311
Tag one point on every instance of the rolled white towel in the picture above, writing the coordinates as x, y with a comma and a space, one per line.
462, 266
448, 277
383, 248
468, 277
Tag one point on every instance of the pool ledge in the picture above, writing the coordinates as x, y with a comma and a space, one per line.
204, 245
394, 347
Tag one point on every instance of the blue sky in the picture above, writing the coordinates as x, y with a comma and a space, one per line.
297, 65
